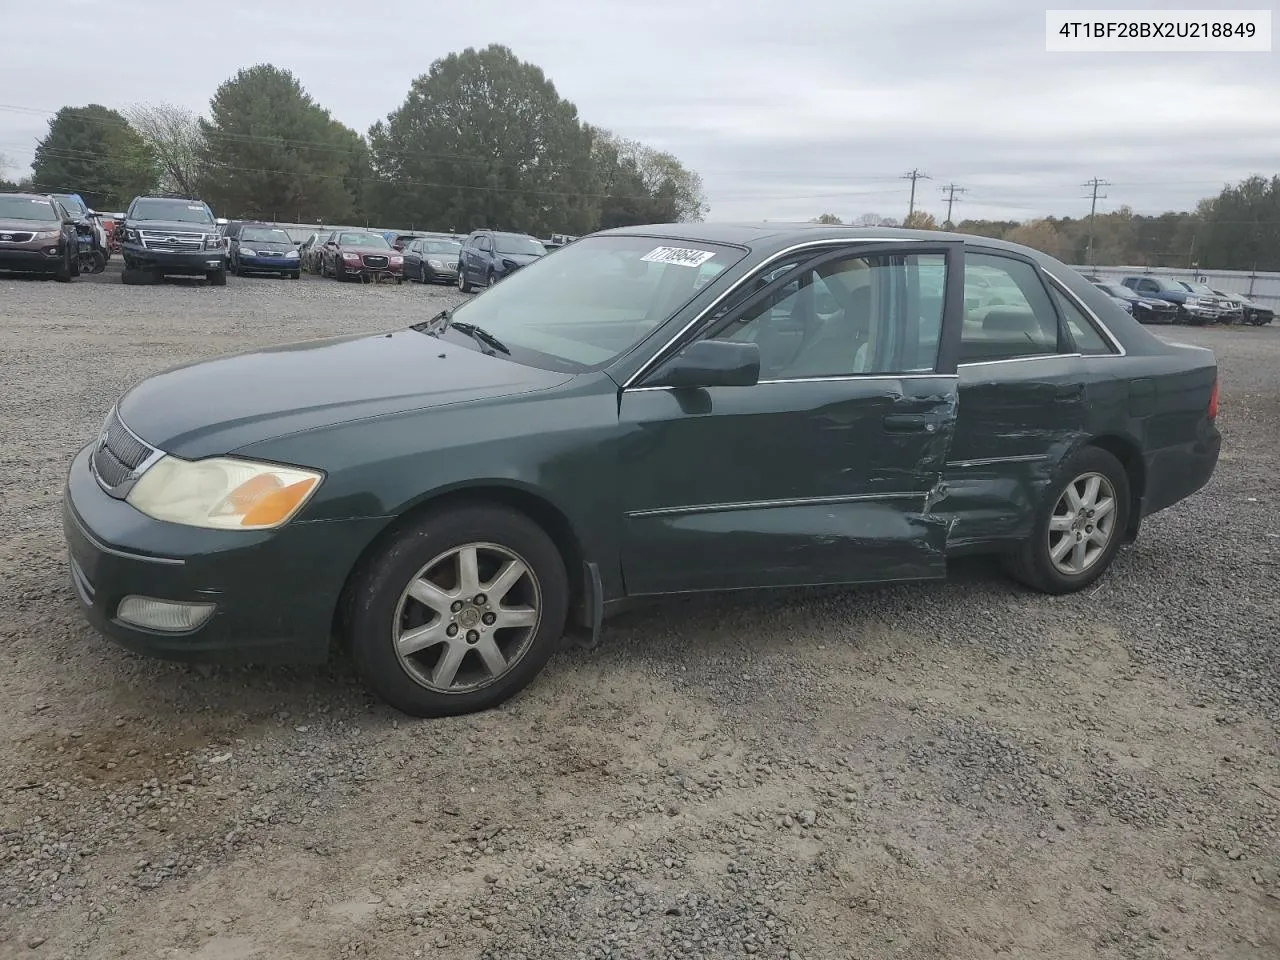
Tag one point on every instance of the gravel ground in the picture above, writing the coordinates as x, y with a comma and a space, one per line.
959, 770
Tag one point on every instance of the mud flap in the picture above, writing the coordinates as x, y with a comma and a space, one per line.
591, 613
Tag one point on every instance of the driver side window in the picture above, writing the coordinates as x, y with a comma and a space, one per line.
859, 316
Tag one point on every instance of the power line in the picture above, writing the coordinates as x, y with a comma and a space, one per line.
913, 176
1095, 183
951, 190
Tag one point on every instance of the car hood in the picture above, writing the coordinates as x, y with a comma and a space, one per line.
28, 226
372, 251
519, 258
216, 406
275, 246
172, 226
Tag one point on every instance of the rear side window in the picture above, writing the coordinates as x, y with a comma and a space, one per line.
1089, 340
1007, 311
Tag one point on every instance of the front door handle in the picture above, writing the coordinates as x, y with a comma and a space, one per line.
911, 423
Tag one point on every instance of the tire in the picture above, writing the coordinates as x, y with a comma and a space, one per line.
377, 606
464, 285
131, 276
1033, 565
296, 275
235, 267
339, 273
67, 269
217, 278
99, 262
489, 279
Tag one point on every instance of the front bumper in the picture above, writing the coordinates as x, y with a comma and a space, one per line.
195, 262
440, 275
271, 264
352, 268
274, 592
37, 260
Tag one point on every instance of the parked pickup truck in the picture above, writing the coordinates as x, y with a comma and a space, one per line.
1194, 308
169, 235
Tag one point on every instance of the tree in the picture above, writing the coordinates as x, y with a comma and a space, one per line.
1041, 235
269, 151
829, 218
484, 139
1242, 226
920, 220
94, 152
651, 185
173, 134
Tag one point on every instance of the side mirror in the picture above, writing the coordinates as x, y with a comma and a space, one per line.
711, 363
91, 213
117, 216
221, 221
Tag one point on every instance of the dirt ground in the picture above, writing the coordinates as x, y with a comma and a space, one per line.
962, 770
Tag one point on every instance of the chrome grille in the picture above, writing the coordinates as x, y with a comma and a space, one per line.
10, 237
372, 261
118, 453
161, 240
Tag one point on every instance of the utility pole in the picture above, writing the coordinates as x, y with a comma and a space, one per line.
1095, 183
913, 176
951, 190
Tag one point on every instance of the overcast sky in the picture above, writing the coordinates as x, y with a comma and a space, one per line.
787, 110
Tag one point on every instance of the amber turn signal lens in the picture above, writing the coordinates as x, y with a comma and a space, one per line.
275, 506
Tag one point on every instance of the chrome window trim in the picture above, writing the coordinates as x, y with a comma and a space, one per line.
1039, 356
989, 461
1084, 308
653, 360
838, 379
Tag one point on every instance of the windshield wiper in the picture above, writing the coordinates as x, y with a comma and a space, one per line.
480, 335
444, 320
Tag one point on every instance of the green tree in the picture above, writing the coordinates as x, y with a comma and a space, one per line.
829, 218
1042, 235
1242, 226
269, 151
484, 139
920, 220
94, 152
642, 184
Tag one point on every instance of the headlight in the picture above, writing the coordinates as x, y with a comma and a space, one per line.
435, 264
246, 252
291, 255
223, 493
397, 259
47, 235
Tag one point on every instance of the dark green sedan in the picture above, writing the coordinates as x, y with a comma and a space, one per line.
652, 410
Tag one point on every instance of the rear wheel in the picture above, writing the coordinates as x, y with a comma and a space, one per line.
1079, 525
490, 279
463, 284
217, 278
459, 612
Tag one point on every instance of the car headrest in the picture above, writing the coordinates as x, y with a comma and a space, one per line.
1008, 320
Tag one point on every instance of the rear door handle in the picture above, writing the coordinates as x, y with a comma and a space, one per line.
910, 423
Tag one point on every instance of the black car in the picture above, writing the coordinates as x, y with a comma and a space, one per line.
489, 255
432, 259
1252, 313
1144, 309
262, 248
171, 235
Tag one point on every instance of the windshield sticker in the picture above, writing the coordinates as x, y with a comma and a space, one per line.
680, 255
192, 206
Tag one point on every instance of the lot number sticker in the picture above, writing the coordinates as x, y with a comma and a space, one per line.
681, 255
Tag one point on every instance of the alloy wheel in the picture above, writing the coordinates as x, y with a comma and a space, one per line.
1082, 524
467, 618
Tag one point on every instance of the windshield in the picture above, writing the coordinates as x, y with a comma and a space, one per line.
1197, 288
353, 239
515, 244
264, 234
179, 210
595, 299
441, 246
26, 208
73, 204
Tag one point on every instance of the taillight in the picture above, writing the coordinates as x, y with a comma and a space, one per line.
1213, 400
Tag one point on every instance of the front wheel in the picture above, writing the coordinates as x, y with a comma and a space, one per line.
464, 285
459, 612
1079, 525
217, 278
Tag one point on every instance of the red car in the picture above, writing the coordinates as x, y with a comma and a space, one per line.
360, 253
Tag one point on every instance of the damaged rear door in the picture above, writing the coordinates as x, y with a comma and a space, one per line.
828, 469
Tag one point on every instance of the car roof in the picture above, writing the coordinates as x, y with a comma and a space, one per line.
29, 196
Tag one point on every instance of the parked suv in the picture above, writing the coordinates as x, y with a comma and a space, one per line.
171, 235
1194, 308
1250, 312
489, 255
37, 235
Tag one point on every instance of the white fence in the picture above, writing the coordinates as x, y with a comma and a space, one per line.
1263, 288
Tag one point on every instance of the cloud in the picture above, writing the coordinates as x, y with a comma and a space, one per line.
786, 110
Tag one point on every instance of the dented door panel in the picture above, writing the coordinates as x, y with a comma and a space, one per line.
785, 483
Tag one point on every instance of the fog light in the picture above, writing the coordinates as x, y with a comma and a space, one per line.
165, 615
